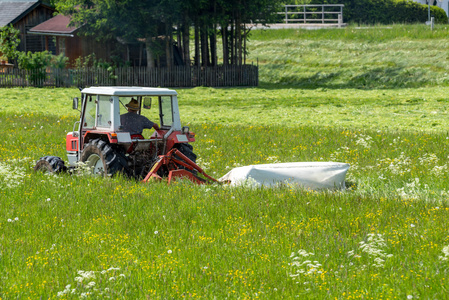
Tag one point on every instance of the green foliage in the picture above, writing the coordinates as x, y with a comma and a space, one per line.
37, 62
90, 61
59, 61
34, 60
150, 20
297, 2
386, 11
9, 41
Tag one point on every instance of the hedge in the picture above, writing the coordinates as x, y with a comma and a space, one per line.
386, 11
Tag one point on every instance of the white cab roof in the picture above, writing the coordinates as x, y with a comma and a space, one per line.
128, 91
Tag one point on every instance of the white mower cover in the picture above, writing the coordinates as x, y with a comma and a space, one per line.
312, 175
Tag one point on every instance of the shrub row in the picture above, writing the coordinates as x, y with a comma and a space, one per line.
386, 11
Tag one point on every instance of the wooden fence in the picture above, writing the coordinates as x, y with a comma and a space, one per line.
219, 76
313, 14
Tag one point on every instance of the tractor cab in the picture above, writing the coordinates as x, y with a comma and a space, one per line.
100, 127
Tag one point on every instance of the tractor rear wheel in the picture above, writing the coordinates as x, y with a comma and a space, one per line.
103, 158
187, 150
50, 164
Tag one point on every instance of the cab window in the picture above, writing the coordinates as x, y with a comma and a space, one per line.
91, 108
166, 110
104, 111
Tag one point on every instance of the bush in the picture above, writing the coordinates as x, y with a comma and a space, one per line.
9, 41
37, 63
386, 11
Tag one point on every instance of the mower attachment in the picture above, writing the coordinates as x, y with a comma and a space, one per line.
178, 166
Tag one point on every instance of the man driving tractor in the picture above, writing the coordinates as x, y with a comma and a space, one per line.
133, 122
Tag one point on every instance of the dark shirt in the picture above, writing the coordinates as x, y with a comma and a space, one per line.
135, 123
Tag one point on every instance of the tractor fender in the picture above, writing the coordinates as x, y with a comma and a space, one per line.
177, 137
111, 137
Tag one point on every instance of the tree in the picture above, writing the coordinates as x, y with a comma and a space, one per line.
9, 41
237, 14
156, 22
125, 20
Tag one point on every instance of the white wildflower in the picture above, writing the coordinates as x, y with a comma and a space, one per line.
446, 254
11, 177
306, 267
79, 279
364, 140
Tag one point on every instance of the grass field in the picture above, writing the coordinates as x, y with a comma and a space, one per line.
385, 237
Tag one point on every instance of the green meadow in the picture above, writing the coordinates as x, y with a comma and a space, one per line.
373, 97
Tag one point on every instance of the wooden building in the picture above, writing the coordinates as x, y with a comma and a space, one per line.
23, 15
74, 46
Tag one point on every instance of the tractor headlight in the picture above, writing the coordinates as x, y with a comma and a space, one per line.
185, 129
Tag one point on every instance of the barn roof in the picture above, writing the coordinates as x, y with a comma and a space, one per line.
58, 25
11, 11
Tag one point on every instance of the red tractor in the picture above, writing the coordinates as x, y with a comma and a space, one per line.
100, 141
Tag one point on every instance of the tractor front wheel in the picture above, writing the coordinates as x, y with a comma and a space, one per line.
103, 159
50, 164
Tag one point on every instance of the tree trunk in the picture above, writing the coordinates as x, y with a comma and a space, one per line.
238, 40
213, 47
179, 41
168, 46
150, 55
204, 46
245, 36
224, 41
197, 45
231, 43
186, 41
213, 37
140, 54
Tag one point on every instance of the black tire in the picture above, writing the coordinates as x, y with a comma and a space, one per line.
187, 150
103, 158
50, 164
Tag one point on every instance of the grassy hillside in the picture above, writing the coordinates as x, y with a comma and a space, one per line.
385, 237
383, 57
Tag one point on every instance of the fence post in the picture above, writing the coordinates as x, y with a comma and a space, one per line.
322, 14
304, 8
339, 20
286, 14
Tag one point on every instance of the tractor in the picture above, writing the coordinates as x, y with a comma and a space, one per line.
99, 141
